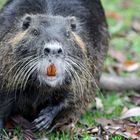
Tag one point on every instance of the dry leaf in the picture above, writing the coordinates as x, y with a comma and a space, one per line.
113, 15
25, 127
125, 109
121, 127
15, 138
119, 56
136, 24
126, 3
131, 66
44, 139
99, 104
19, 120
96, 131
135, 99
110, 110
109, 128
131, 113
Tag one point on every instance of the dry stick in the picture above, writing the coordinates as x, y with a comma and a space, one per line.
117, 83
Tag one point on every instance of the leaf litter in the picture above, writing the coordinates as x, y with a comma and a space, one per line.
108, 128
25, 128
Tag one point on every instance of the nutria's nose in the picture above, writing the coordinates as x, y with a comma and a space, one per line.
53, 49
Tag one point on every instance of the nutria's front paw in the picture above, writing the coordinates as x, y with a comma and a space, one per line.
45, 119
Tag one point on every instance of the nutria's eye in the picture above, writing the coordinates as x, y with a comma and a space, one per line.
35, 32
68, 34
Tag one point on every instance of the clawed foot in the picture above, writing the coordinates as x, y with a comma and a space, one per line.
45, 119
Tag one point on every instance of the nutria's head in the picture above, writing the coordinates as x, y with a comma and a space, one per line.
48, 49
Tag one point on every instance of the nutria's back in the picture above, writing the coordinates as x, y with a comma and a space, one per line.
52, 54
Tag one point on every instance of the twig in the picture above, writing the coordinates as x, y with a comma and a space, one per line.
117, 83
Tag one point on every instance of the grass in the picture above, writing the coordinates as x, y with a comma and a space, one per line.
110, 100
2, 3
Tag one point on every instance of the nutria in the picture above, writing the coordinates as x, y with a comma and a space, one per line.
51, 56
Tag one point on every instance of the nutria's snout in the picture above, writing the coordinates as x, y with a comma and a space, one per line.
53, 49
51, 68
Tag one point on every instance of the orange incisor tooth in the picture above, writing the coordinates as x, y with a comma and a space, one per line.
51, 70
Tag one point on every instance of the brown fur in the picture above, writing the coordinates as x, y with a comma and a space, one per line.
17, 38
79, 42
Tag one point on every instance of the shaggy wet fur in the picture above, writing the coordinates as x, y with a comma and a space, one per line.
20, 90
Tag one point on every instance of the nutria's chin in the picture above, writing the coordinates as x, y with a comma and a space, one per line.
51, 56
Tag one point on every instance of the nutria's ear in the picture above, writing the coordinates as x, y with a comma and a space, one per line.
73, 23
26, 22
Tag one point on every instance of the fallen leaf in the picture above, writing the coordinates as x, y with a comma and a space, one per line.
19, 120
96, 131
131, 66
121, 127
110, 110
44, 139
136, 24
25, 127
113, 15
119, 56
99, 104
128, 63
107, 128
9, 124
126, 3
125, 109
135, 99
15, 138
131, 113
